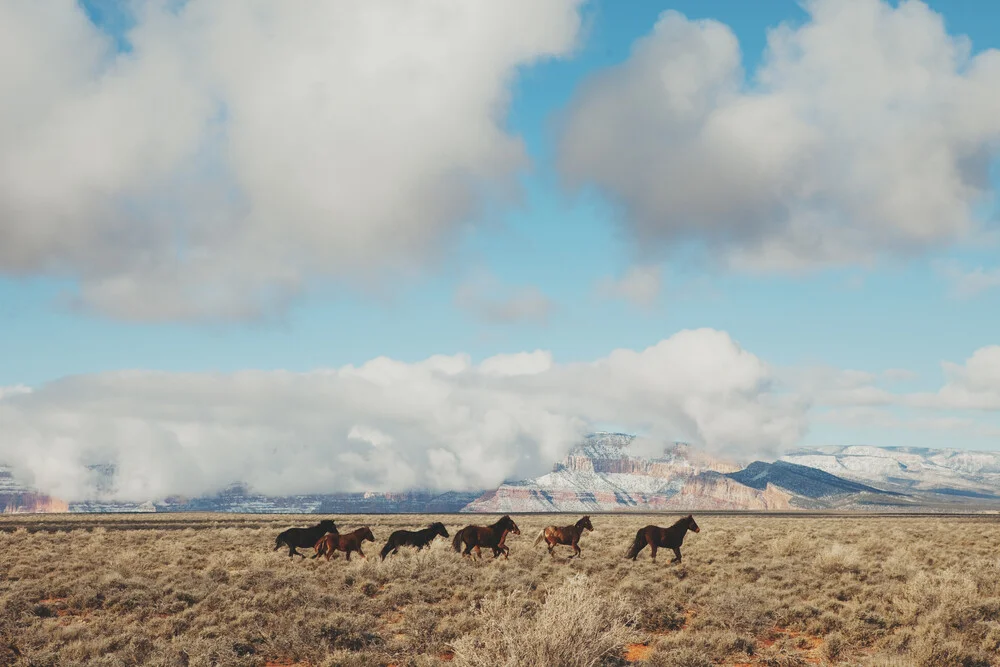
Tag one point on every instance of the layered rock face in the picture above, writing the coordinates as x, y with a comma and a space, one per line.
16, 498
602, 475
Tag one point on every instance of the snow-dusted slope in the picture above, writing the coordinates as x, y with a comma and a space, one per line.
601, 474
944, 471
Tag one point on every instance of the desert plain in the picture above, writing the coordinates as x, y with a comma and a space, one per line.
752, 589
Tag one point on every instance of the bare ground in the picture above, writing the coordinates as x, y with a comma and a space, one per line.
752, 590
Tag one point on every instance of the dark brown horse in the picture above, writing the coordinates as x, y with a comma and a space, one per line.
303, 537
669, 538
348, 542
568, 535
413, 538
491, 536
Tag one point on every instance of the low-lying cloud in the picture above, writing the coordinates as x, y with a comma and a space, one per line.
443, 423
867, 130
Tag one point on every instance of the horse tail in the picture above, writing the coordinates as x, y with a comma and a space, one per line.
387, 548
541, 536
637, 545
457, 541
320, 547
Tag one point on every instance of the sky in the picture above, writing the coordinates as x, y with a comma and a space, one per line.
343, 246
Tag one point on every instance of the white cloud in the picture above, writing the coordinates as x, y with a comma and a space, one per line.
966, 284
866, 130
640, 286
243, 148
974, 385
486, 298
14, 390
860, 398
441, 423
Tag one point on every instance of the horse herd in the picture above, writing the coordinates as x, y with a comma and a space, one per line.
326, 540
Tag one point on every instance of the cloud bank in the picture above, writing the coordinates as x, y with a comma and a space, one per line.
443, 423
241, 149
865, 131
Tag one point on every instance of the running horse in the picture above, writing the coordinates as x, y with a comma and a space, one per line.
303, 537
491, 536
413, 538
568, 535
670, 538
348, 542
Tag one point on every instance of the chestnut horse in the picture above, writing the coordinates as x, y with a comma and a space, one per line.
568, 535
491, 536
413, 538
303, 537
347, 542
670, 538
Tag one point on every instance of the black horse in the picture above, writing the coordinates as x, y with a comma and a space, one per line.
413, 538
304, 537
670, 538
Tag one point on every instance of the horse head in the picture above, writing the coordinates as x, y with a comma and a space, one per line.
508, 523
584, 523
366, 535
328, 525
439, 529
692, 526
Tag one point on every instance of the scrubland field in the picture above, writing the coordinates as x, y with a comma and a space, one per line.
752, 590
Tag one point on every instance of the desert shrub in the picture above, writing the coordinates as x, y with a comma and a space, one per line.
575, 625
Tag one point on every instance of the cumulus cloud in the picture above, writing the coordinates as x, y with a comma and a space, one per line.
240, 149
966, 284
973, 385
640, 286
443, 423
866, 130
860, 398
487, 299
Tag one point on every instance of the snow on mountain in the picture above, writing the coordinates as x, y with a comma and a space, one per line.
601, 474
909, 469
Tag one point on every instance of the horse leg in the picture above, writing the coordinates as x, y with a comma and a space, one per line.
479, 553
362, 553
576, 549
653, 547
677, 555
348, 554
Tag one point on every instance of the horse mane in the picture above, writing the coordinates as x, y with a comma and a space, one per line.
685, 519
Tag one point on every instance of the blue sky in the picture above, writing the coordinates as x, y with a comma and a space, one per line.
899, 312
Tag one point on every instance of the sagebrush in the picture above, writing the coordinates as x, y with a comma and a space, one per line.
209, 590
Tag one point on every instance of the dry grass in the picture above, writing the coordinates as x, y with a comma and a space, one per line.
755, 590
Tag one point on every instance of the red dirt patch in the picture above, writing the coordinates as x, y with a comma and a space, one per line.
638, 652
447, 656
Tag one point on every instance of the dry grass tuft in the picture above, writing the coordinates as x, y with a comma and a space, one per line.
752, 590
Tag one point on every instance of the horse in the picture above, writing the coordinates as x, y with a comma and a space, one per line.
491, 536
303, 537
413, 538
347, 542
670, 538
568, 535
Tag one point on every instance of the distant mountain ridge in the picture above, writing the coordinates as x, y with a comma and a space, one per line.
914, 470
603, 474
